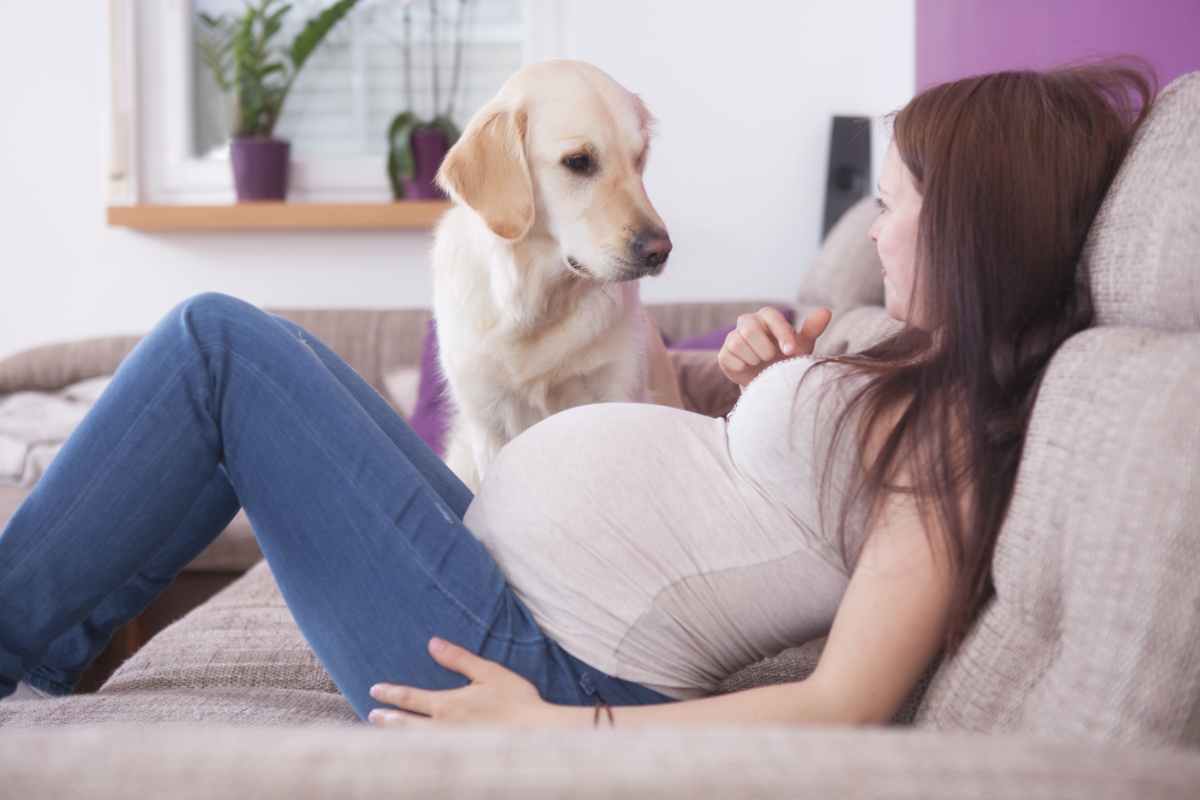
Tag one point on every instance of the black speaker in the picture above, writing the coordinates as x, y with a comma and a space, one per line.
849, 167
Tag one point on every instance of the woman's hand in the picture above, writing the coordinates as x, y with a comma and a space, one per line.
495, 694
764, 337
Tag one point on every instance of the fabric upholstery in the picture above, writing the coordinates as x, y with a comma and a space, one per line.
846, 272
1095, 631
1143, 252
51, 366
186, 761
714, 339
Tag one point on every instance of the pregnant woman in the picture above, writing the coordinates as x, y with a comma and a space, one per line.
626, 554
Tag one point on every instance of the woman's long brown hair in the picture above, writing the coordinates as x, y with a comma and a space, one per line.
1012, 168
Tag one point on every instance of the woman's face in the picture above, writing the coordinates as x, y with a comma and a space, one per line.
895, 234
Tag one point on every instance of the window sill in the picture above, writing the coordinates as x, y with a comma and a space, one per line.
275, 215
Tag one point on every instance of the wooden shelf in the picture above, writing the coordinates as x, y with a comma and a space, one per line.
274, 215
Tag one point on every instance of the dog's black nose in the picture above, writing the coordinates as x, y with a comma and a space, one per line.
651, 247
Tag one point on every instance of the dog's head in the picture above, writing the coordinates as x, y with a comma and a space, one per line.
559, 152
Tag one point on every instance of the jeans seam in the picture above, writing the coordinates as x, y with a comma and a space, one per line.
334, 461
105, 464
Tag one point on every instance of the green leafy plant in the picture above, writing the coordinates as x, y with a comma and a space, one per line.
400, 162
237, 50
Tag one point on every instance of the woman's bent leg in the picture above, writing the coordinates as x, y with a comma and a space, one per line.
71, 652
76, 648
370, 559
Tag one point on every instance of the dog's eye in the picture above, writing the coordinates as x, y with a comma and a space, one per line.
579, 163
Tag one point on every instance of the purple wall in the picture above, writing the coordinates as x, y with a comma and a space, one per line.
956, 38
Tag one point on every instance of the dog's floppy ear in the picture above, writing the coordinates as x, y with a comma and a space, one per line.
486, 169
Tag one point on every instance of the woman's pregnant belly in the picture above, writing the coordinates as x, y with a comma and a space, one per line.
639, 546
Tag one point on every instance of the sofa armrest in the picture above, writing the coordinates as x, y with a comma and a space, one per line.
443, 761
49, 367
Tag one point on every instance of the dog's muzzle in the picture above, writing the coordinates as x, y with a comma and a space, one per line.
650, 248
578, 268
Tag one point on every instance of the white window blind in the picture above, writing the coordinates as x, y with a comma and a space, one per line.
354, 83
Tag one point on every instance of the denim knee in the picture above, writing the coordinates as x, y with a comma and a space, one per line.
203, 315
208, 305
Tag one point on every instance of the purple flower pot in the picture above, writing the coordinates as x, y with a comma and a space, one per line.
260, 167
429, 146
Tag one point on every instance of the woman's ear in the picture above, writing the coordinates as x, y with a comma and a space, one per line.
486, 169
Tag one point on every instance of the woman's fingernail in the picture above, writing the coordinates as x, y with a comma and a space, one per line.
436, 644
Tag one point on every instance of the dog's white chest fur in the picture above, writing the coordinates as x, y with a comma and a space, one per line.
521, 338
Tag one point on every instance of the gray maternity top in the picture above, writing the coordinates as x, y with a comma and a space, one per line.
671, 548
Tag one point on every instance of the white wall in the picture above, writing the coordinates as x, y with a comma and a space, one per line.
743, 94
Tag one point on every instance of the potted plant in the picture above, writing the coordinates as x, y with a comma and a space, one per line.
236, 49
416, 146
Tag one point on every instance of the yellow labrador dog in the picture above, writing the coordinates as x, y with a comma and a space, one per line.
536, 266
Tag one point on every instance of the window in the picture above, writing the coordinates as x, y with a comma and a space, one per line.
171, 122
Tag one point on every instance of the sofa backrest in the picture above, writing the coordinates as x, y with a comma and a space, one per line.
1095, 627
376, 341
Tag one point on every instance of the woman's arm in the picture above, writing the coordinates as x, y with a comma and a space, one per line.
887, 629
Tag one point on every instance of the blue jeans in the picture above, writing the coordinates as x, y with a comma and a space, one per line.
223, 406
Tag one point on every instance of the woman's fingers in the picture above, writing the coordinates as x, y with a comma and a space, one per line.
729, 362
761, 338
814, 325
781, 329
754, 332
408, 698
390, 718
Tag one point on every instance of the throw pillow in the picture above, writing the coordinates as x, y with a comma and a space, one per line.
430, 418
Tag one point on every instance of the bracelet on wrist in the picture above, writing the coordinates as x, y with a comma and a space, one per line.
596, 716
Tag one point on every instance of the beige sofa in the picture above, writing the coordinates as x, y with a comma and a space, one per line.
1080, 679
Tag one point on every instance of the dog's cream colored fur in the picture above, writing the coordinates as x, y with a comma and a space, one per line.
522, 332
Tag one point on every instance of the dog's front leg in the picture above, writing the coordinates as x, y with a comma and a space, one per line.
485, 445
460, 455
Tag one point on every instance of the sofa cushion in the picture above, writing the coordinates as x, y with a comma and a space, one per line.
846, 271
715, 338
243, 637
732, 762
853, 329
1095, 628
1142, 255
431, 415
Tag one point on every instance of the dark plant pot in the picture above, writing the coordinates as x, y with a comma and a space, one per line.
429, 146
260, 167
